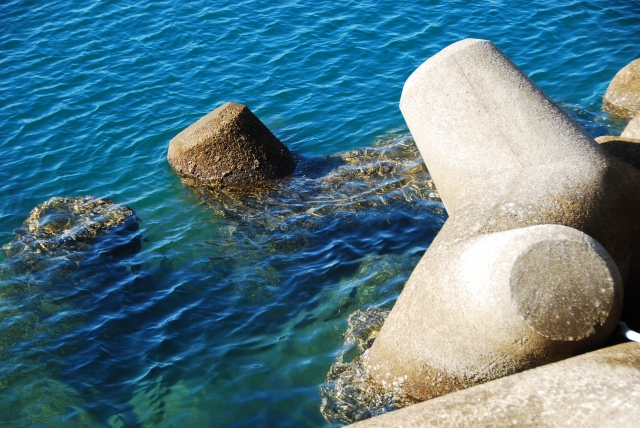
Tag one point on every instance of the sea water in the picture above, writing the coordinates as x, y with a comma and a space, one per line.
232, 309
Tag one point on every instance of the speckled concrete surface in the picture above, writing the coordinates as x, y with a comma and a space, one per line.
506, 286
598, 389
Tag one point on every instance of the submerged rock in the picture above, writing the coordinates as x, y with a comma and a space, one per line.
62, 266
349, 395
65, 226
230, 145
156, 404
623, 94
345, 184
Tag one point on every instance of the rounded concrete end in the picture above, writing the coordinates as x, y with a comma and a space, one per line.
565, 289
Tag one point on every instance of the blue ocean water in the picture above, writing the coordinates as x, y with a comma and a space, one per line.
233, 309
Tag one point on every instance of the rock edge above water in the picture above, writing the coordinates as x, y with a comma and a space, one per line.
230, 145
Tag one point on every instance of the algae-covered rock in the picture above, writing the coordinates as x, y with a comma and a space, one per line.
64, 262
73, 226
230, 145
622, 98
156, 404
43, 402
323, 188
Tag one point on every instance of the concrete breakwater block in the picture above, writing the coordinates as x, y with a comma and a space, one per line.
632, 130
622, 97
531, 269
598, 389
230, 145
626, 149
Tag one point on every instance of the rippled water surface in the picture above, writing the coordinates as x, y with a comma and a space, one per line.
230, 308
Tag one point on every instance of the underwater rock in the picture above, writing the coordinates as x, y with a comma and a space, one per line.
41, 401
526, 272
622, 98
63, 266
624, 148
154, 404
70, 227
230, 145
632, 129
348, 395
325, 188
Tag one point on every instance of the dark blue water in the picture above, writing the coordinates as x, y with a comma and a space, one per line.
233, 309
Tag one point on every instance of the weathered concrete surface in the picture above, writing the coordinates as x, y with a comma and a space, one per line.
632, 130
504, 287
623, 94
624, 148
229, 146
598, 389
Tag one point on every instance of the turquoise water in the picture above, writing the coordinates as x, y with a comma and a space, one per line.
233, 309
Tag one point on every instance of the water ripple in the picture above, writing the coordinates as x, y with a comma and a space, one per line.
233, 310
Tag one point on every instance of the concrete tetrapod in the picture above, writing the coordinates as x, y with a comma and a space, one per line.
598, 389
542, 230
632, 130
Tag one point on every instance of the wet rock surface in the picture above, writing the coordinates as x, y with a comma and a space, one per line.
343, 186
622, 98
64, 225
230, 145
349, 395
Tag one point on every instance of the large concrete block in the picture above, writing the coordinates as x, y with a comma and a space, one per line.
529, 268
626, 149
622, 97
598, 389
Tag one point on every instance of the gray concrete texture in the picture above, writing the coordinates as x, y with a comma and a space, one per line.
632, 130
622, 97
542, 231
598, 389
230, 145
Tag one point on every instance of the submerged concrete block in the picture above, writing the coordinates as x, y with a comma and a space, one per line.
622, 97
230, 145
598, 389
542, 233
